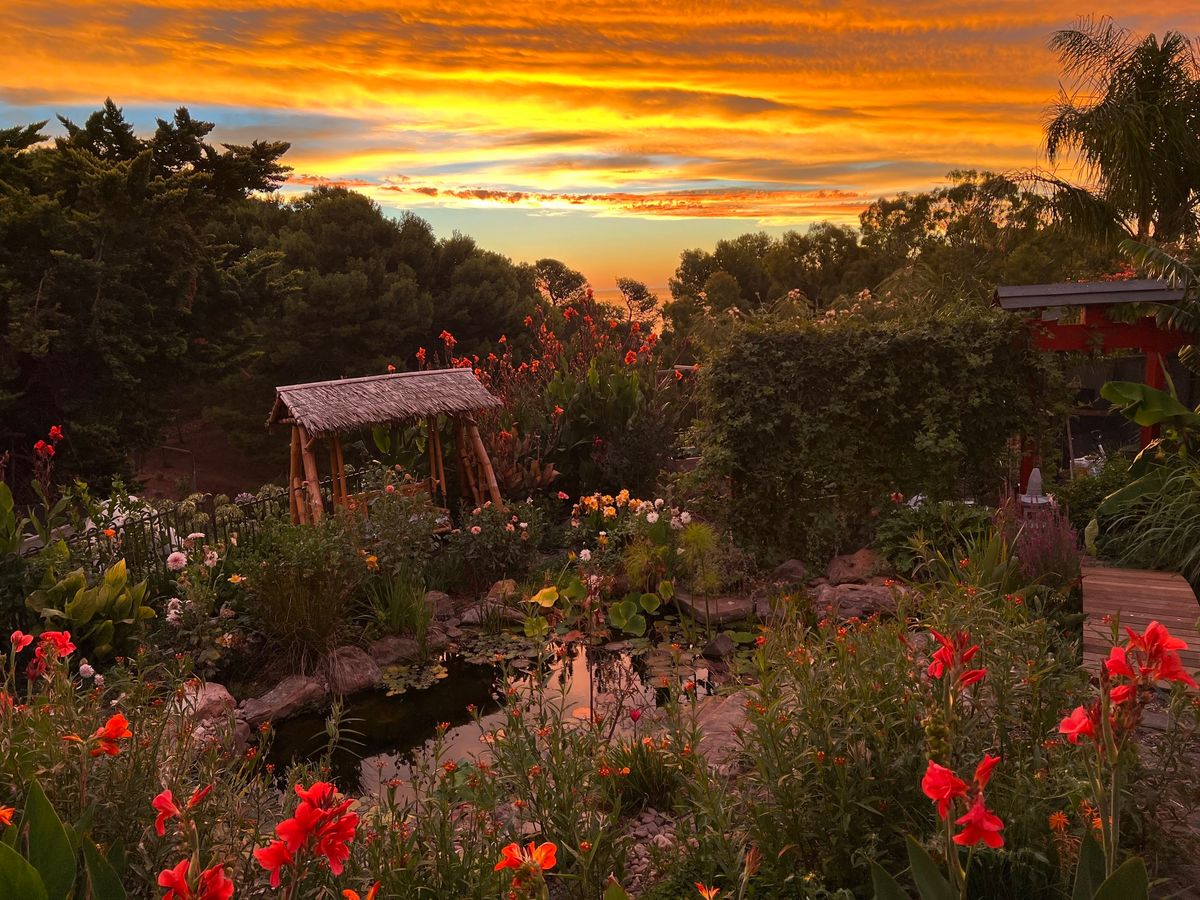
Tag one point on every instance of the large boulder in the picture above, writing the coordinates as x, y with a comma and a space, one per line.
352, 670
394, 649
856, 568
441, 604
790, 572
848, 601
715, 610
491, 611
503, 592
295, 694
719, 647
205, 702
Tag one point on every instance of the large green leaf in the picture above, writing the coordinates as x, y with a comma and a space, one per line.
614, 891
50, 850
1148, 406
886, 887
18, 879
1128, 882
1089, 872
102, 878
931, 883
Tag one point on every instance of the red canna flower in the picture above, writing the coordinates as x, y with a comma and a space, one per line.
20, 641
980, 825
115, 729
165, 804
175, 881
630, 358
1080, 723
56, 434
952, 657
983, 772
273, 858
1117, 664
44, 450
6, 815
215, 884
534, 856
448, 339
349, 894
941, 786
1123, 693
60, 641
198, 795
635, 714
708, 893
391, 368
1158, 654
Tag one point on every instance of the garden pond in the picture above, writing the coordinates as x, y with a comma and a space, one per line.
381, 733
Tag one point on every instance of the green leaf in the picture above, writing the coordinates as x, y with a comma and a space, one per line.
886, 887
666, 589
650, 603
102, 877
931, 883
18, 879
614, 891
50, 849
1129, 882
1089, 872
1148, 406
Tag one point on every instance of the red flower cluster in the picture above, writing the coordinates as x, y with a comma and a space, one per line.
106, 736
448, 339
943, 787
1154, 653
46, 449
321, 826
52, 645
167, 809
952, 658
213, 883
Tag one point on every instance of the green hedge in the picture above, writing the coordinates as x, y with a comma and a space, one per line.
814, 425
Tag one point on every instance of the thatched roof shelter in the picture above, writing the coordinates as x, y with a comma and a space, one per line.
352, 404
328, 409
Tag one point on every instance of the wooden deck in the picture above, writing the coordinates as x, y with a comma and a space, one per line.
1140, 597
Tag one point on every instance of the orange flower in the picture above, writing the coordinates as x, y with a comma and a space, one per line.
115, 729
1058, 822
708, 893
6, 815
370, 895
539, 857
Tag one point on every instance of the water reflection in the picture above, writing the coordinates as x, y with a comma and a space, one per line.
388, 733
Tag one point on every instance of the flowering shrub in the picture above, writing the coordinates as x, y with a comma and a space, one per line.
496, 542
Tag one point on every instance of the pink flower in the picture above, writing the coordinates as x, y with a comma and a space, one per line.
475, 529
177, 561
635, 714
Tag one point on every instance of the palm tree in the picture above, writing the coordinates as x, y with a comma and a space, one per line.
1129, 119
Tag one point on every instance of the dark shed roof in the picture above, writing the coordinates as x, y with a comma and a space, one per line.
351, 404
1087, 293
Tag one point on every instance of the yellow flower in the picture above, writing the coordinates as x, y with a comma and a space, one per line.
610, 512
236, 579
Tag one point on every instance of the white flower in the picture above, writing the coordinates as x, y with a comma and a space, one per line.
524, 525
585, 555
85, 670
177, 561
675, 523
651, 517
685, 517
174, 611
658, 504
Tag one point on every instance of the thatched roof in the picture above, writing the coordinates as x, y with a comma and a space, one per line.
350, 404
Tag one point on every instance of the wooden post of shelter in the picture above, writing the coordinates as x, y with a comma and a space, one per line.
485, 464
312, 480
296, 503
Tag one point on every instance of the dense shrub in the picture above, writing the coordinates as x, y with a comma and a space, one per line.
1083, 494
942, 524
815, 424
495, 542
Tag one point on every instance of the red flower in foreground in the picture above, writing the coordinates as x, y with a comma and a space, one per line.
952, 656
983, 771
540, 857
1080, 723
349, 894
320, 825
1158, 656
6, 815
20, 640
60, 641
979, 825
115, 729
273, 858
941, 786
214, 883
56, 433
165, 804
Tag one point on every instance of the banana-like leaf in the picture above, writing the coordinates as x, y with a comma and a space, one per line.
1148, 406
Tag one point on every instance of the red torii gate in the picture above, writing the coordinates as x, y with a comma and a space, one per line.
1097, 333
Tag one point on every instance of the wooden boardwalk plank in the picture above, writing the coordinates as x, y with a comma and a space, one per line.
1139, 597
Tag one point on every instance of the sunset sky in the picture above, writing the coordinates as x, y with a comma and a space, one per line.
608, 135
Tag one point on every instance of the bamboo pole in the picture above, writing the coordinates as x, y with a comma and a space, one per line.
294, 477
465, 463
485, 464
339, 473
436, 433
311, 478
297, 492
